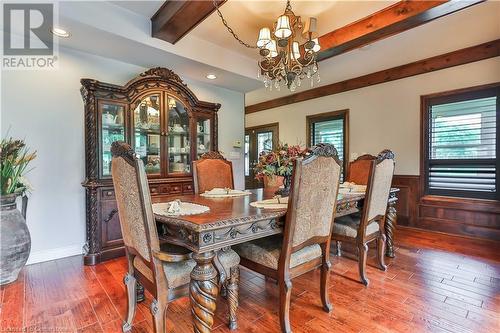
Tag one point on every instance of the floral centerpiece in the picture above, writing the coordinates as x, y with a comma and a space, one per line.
279, 162
14, 160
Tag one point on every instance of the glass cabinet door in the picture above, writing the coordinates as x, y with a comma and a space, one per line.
112, 129
203, 132
147, 131
179, 147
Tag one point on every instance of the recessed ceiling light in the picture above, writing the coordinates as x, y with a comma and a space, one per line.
60, 32
211, 76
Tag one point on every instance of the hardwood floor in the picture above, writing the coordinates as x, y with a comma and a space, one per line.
436, 283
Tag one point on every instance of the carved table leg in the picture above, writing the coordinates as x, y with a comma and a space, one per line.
203, 292
232, 296
390, 223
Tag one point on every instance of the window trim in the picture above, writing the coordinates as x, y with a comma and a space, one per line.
332, 115
426, 101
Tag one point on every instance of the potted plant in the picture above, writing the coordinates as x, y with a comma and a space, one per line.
15, 242
279, 163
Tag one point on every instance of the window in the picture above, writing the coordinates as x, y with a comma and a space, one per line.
331, 127
461, 143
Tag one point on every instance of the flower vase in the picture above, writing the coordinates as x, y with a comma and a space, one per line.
15, 243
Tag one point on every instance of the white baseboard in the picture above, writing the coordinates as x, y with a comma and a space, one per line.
52, 254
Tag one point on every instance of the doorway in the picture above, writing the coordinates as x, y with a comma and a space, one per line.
258, 139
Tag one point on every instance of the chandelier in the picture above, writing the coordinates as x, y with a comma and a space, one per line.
288, 51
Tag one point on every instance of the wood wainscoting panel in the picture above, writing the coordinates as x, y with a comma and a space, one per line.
458, 216
408, 196
467, 217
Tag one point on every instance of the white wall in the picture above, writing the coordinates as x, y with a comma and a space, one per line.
381, 116
46, 109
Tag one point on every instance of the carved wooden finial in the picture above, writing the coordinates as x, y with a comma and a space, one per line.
164, 73
212, 155
123, 149
385, 154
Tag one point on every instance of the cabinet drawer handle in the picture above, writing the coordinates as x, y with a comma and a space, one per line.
110, 215
109, 193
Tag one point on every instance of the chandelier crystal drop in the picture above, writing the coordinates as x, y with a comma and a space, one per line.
288, 51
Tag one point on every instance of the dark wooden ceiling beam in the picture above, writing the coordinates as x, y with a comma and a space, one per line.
175, 19
389, 21
455, 58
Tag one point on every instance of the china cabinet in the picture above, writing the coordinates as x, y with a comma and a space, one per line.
168, 127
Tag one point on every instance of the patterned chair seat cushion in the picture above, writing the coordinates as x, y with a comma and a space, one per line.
348, 226
266, 251
178, 273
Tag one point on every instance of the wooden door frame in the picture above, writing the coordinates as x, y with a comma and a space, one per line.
272, 126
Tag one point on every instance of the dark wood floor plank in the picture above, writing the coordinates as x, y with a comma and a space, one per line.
435, 284
13, 305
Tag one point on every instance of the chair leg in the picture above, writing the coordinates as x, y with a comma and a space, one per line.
362, 250
325, 271
232, 289
159, 312
130, 283
338, 252
285, 294
381, 252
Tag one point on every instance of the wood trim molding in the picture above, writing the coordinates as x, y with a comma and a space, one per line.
175, 18
456, 58
397, 18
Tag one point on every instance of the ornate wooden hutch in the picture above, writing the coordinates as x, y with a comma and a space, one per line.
164, 122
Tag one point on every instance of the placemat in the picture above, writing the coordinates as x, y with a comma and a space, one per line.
178, 208
275, 203
224, 193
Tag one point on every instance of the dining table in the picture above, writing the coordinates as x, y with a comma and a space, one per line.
231, 221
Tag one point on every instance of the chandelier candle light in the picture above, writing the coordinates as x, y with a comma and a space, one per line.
284, 59
288, 51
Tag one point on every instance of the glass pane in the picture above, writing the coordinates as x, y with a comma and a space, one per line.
329, 131
264, 142
464, 130
113, 129
179, 156
203, 137
147, 133
247, 155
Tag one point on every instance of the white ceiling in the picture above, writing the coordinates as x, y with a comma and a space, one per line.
247, 17
121, 30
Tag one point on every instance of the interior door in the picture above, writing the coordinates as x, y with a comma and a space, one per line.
258, 140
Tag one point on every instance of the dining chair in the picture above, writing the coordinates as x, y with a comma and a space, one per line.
305, 243
360, 229
359, 169
163, 269
212, 170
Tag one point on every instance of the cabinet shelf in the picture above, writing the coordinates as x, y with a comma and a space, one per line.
152, 113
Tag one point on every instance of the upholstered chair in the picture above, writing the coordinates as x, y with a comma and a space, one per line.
164, 270
360, 229
212, 170
305, 243
359, 169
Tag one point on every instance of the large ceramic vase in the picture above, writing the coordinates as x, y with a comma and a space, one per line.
15, 244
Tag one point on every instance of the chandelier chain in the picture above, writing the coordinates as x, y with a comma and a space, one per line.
216, 5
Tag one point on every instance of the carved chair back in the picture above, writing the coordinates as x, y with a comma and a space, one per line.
134, 209
313, 200
359, 169
377, 190
212, 170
